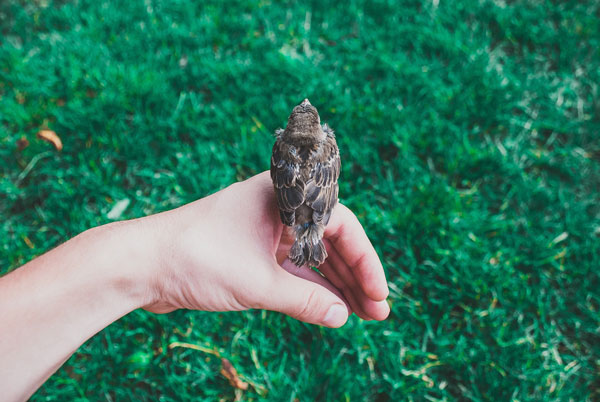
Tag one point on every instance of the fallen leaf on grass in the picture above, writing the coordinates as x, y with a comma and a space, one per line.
51, 137
28, 242
118, 209
22, 143
229, 372
227, 369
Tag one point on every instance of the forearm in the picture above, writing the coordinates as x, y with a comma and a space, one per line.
53, 304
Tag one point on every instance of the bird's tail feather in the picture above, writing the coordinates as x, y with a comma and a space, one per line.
308, 247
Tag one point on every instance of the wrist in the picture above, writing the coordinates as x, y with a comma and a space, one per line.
129, 257
175, 242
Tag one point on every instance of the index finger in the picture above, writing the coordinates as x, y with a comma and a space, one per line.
348, 237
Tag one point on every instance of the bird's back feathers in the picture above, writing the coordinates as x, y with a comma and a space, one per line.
305, 178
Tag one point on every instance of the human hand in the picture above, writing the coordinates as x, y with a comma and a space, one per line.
228, 252
221, 253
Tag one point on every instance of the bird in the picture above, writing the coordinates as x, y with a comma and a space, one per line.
305, 167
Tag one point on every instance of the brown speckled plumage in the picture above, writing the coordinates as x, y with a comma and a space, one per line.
305, 167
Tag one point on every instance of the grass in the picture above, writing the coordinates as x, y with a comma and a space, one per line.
469, 133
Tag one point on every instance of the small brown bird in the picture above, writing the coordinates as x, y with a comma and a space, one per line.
305, 167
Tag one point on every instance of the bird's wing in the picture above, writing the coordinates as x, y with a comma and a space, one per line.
289, 187
322, 190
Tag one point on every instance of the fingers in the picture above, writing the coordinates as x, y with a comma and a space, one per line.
305, 272
330, 273
353, 266
349, 239
336, 270
305, 300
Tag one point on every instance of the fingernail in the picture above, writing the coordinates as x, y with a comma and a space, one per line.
336, 316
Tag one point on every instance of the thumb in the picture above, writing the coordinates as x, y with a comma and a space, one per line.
305, 300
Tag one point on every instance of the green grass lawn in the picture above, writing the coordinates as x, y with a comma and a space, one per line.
470, 139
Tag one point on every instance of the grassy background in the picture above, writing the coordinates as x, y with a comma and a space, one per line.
469, 132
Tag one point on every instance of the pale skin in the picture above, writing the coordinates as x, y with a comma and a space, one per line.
225, 252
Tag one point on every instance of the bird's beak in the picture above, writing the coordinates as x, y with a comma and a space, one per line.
305, 102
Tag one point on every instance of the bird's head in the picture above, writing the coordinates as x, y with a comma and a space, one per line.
304, 124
